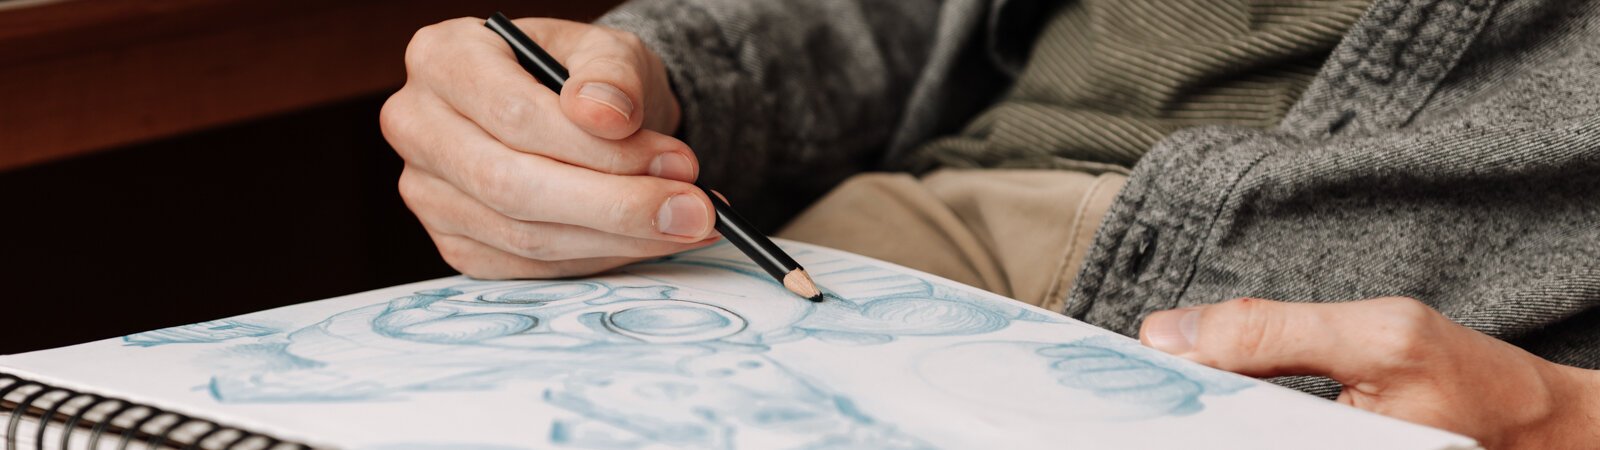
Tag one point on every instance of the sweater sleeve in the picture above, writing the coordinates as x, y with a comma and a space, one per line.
1467, 182
783, 99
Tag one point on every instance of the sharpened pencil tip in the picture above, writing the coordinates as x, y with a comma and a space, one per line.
800, 283
816, 298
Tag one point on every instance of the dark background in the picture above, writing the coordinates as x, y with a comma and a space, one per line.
222, 222
165, 162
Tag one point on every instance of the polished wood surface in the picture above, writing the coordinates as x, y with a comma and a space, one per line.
79, 76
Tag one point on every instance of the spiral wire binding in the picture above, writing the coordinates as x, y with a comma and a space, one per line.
134, 432
51, 415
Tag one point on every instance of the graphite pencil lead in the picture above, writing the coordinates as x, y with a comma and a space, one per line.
800, 283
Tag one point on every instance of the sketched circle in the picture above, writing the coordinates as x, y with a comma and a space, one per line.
542, 293
675, 322
917, 316
466, 328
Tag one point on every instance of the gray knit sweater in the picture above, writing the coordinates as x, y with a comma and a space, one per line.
1449, 150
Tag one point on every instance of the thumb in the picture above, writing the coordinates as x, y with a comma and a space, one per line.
604, 94
1350, 342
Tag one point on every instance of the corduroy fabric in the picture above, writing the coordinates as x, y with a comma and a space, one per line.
1108, 78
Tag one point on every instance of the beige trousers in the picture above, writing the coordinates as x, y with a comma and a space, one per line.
1017, 233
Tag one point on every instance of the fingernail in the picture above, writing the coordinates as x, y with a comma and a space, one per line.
672, 166
608, 95
1173, 331
682, 215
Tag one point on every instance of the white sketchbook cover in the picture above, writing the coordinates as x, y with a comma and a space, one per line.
700, 350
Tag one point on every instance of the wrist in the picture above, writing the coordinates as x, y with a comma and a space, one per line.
1574, 417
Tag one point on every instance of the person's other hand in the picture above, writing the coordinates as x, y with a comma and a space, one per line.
1396, 357
515, 181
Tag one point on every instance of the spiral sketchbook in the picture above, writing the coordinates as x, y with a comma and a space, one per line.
699, 350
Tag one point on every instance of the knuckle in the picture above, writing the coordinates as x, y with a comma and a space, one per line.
1256, 327
528, 244
494, 185
621, 213
514, 112
422, 43
432, 48
610, 51
1404, 331
457, 257
488, 181
511, 191
1406, 306
392, 119
429, 43
517, 123
618, 71
619, 162
635, 211
628, 40
410, 190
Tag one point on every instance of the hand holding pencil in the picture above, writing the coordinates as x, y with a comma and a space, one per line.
544, 67
513, 180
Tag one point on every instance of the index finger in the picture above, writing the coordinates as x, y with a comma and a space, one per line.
474, 72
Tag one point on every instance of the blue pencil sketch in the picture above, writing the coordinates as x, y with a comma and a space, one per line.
719, 401
664, 359
1127, 373
203, 332
1102, 376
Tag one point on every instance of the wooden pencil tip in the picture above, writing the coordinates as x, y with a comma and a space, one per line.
800, 283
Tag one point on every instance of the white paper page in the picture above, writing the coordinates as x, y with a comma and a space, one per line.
701, 350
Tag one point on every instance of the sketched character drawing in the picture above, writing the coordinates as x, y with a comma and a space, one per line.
661, 358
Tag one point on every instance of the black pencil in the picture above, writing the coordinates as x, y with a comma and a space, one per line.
757, 246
